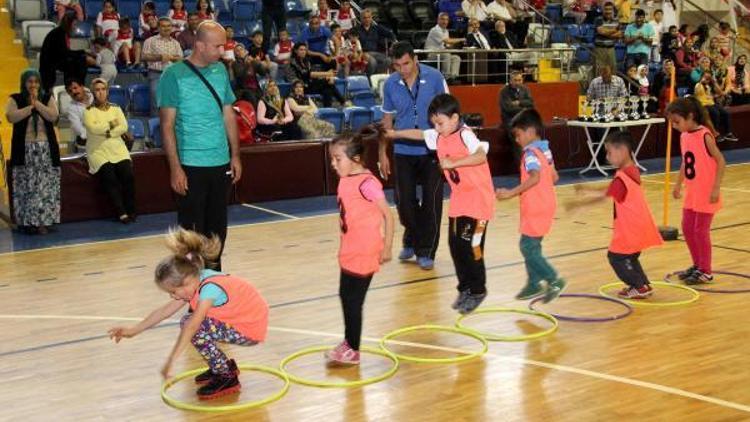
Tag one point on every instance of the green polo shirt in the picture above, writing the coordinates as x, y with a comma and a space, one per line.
199, 126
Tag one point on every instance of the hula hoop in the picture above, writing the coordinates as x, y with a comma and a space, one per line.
230, 407
525, 337
628, 308
668, 279
445, 328
344, 384
693, 292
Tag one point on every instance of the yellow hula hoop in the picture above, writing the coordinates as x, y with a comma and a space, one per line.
416, 359
695, 294
225, 408
330, 384
525, 337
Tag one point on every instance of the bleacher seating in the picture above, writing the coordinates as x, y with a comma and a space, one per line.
357, 83
29, 10
92, 8
377, 113
422, 11
357, 117
34, 33
154, 132
119, 95
364, 99
398, 15
332, 115
140, 99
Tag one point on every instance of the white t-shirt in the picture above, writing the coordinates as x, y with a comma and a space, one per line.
498, 9
477, 10
658, 30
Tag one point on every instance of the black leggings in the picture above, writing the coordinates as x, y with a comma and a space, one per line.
628, 269
118, 181
466, 242
720, 118
352, 291
328, 91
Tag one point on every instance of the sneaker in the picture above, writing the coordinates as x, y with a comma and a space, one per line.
206, 376
633, 293
682, 275
721, 138
471, 303
554, 289
699, 277
425, 263
343, 354
731, 137
219, 386
462, 295
406, 254
530, 291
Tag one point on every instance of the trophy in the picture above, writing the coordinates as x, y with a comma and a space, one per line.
595, 116
622, 108
609, 104
634, 114
644, 101
584, 116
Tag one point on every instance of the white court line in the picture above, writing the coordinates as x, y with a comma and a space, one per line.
722, 188
255, 207
148, 236
562, 368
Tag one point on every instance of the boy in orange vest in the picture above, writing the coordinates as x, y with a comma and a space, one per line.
538, 204
634, 226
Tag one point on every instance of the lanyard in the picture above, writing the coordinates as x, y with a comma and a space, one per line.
414, 96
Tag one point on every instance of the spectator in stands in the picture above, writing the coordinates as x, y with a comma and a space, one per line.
639, 36
63, 6
514, 98
128, 51
187, 37
106, 153
670, 44
107, 21
407, 95
326, 15
574, 9
80, 100
152, 29
274, 115
705, 91
641, 76
475, 38
373, 38
669, 7
178, 15
725, 39
657, 24
35, 157
205, 11
686, 60
204, 132
158, 53
316, 82
524, 16
282, 52
738, 81
316, 38
305, 110
228, 56
55, 55
474, 9
244, 72
704, 66
501, 39
663, 84
607, 34
341, 49
273, 14
345, 16
256, 51
624, 12
147, 10
438, 39
500, 10
631, 79
359, 60
700, 36
105, 59
719, 56
606, 85
684, 33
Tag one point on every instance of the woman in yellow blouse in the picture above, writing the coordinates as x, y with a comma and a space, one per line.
106, 152
704, 92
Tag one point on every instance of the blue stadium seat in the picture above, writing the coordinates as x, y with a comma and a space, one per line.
554, 12
140, 99
355, 84
154, 131
683, 91
244, 11
583, 54
82, 30
284, 88
364, 99
588, 32
118, 95
191, 5
377, 113
559, 35
295, 8
574, 32
129, 8
332, 115
137, 129
357, 117
162, 7
620, 52
92, 9
341, 86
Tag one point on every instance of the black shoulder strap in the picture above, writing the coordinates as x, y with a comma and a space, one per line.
205, 82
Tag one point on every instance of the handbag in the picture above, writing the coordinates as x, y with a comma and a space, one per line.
205, 82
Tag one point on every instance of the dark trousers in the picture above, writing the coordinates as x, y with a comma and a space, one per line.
328, 91
740, 99
421, 220
289, 131
118, 181
73, 65
720, 118
352, 291
466, 241
628, 269
271, 17
204, 207
537, 266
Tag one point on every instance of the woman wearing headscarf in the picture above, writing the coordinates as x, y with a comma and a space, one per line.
107, 153
35, 156
274, 115
738, 81
304, 110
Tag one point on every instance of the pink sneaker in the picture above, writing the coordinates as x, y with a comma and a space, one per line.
343, 354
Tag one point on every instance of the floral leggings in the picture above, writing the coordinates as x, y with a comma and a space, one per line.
210, 332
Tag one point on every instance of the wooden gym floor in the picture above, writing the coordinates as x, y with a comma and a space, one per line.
677, 364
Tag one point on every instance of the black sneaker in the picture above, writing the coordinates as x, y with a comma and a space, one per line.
460, 299
683, 275
206, 376
219, 386
471, 303
699, 277
731, 137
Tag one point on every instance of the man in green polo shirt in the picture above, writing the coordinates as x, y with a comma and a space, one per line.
200, 135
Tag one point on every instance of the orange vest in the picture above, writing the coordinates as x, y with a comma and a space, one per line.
538, 204
699, 173
361, 227
246, 311
635, 229
472, 192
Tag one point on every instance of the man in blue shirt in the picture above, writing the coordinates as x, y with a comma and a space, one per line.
639, 36
316, 37
406, 96
200, 135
